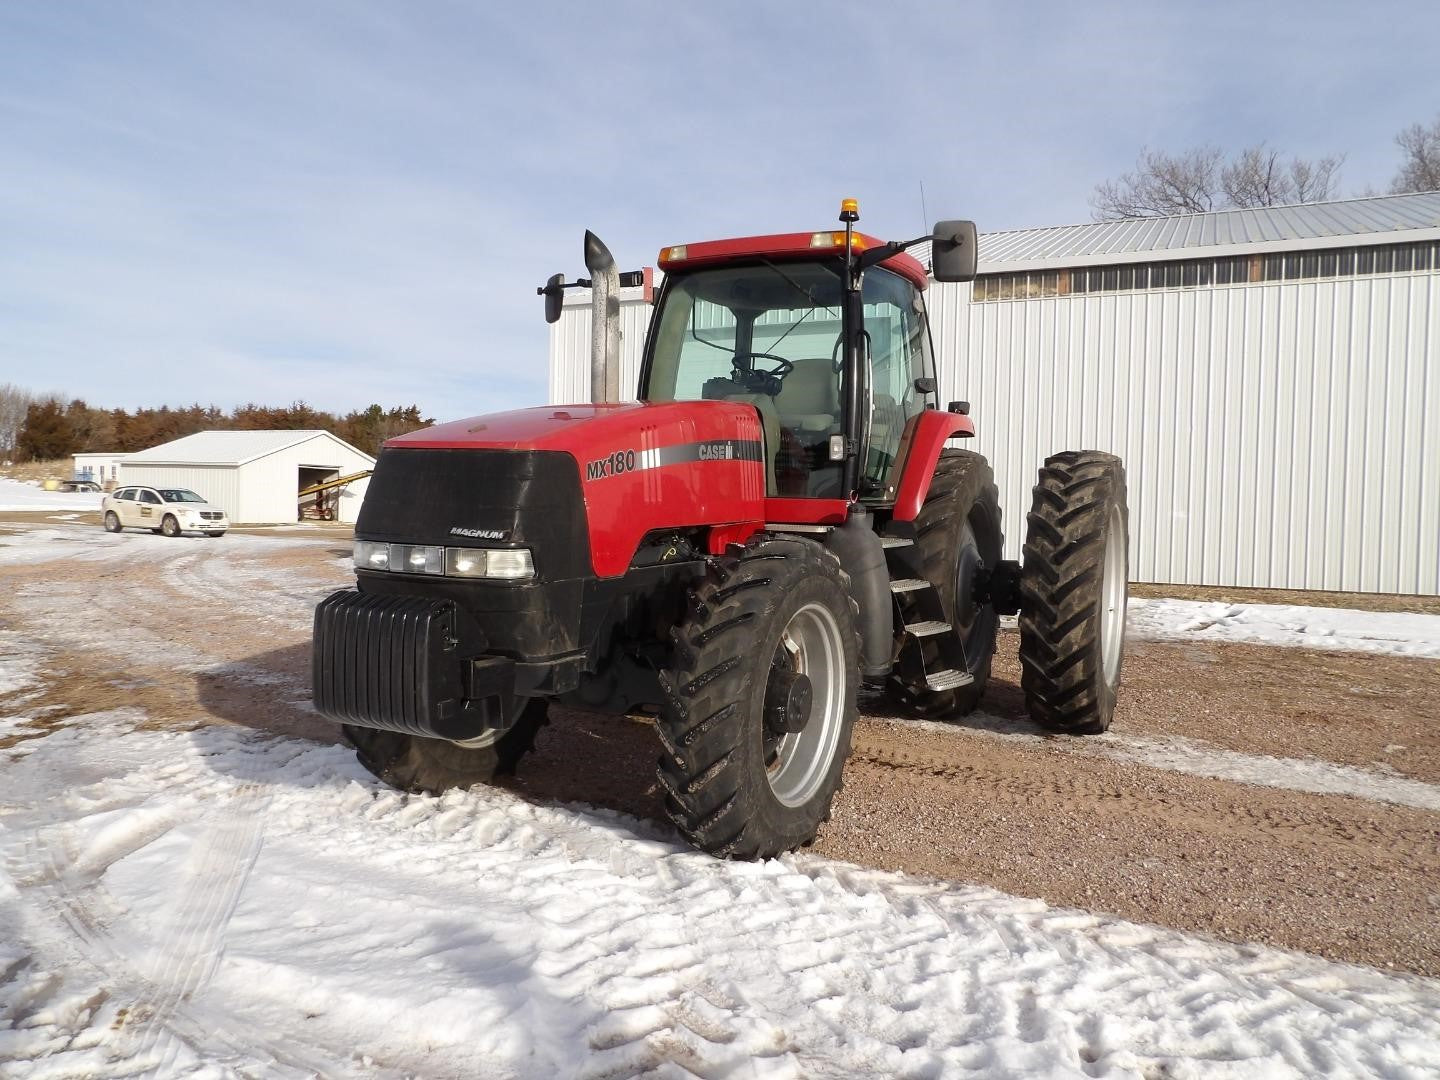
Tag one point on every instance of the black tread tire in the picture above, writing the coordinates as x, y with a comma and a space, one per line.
1061, 591
170, 526
962, 489
712, 722
112, 522
432, 766
212, 535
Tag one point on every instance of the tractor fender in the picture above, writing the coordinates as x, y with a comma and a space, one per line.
920, 445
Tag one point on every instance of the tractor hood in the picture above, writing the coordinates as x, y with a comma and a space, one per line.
640, 468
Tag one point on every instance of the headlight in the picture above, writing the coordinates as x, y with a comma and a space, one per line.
509, 564
466, 562
372, 556
417, 559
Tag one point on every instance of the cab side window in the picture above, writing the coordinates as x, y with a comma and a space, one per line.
150, 497
125, 494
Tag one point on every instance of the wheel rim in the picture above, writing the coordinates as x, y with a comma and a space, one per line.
797, 765
111, 521
1112, 600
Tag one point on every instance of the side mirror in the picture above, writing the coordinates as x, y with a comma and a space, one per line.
953, 251
554, 293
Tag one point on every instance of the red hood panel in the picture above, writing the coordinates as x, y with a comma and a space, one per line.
643, 466
570, 427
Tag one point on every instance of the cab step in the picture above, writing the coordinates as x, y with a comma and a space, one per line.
926, 629
913, 584
948, 680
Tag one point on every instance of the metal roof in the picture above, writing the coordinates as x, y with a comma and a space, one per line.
229, 447
1348, 223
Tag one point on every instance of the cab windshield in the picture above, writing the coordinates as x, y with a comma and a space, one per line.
180, 495
771, 335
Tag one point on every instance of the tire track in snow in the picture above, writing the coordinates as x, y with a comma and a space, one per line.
157, 1021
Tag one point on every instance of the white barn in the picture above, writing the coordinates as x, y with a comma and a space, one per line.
99, 468
255, 476
1271, 378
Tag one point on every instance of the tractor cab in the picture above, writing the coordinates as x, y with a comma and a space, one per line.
763, 320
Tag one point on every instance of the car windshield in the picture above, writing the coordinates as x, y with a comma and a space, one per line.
180, 495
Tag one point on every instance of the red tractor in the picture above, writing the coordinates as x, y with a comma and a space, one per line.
776, 521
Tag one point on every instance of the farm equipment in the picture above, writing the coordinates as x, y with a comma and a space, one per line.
776, 521
324, 504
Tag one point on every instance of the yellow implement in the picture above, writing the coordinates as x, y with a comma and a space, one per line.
340, 481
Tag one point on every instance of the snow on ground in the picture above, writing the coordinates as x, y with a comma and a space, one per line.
15, 495
220, 903
1398, 633
216, 902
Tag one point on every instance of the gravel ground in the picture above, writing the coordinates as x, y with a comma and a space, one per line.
218, 633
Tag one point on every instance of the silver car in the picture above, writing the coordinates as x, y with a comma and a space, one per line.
171, 511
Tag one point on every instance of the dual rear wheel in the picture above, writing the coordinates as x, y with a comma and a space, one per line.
1073, 585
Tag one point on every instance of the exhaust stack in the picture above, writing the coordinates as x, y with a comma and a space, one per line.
604, 321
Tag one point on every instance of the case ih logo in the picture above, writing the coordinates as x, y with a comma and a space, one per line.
621, 461
717, 451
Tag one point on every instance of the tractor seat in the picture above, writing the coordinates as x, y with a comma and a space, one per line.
809, 399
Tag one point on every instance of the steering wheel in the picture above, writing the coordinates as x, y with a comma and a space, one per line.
782, 367
763, 382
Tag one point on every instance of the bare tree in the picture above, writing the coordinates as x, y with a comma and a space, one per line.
1420, 169
14, 401
1258, 177
1201, 179
1160, 185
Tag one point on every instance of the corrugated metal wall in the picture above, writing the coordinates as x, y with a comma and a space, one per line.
570, 350
1277, 435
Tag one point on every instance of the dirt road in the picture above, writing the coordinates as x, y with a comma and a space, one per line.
1257, 793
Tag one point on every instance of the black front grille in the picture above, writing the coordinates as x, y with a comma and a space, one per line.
482, 498
394, 662
211, 515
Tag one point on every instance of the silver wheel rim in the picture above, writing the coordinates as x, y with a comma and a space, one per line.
1112, 600
797, 764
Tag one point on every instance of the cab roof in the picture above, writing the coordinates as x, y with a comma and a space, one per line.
806, 245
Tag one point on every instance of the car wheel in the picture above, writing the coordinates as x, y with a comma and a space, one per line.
112, 522
170, 527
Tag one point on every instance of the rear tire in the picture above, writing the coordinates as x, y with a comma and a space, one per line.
1073, 592
170, 527
431, 766
957, 534
738, 785
112, 522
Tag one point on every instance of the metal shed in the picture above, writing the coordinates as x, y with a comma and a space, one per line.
256, 476
1270, 376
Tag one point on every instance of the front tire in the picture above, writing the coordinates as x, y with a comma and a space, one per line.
432, 766
112, 522
1073, 592
170, 527
760, 700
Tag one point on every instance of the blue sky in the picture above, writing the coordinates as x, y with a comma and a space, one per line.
351, 202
